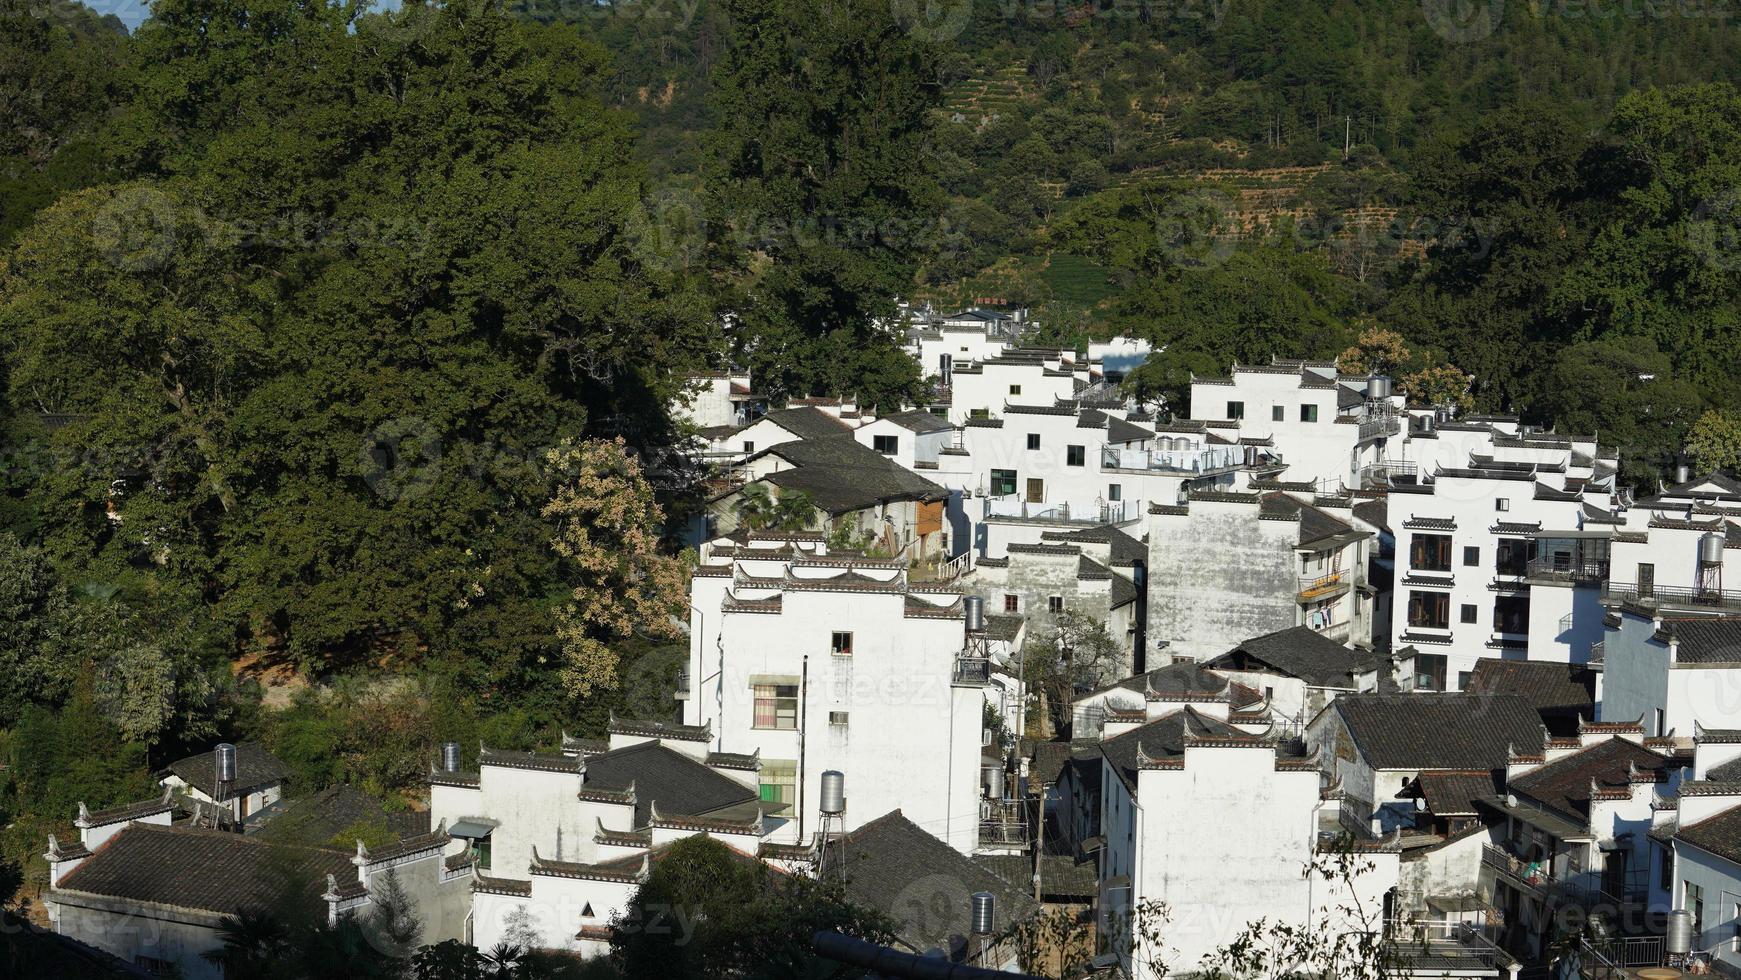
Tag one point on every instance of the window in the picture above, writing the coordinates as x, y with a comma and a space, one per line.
1033, 440
1512, 556
1511, 614
838, 718
1463, 679
480, 849
1003, 482
1694, 902
887, 445
749, 447
1502, 503
1308, 413
776, 706
1054, 604
1472, 556
1661, 723
1466, 613
1430, 553
1430, 610
1114, 492
1666, 874
1015, 389
1277, 413
1011, 602
841, 644
1236, 410
1075, 456
979, 413
779, 781
1429, 672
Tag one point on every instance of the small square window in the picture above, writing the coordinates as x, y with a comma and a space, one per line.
1463, 679
1054, 604
1471, 555
887, 445
1033, 440
1502, 504
1114, 491
1468, 613
1075, 456
1277, 414
1011, 602
1015, 389
1236, 410
749, 447
841, 645
1308, 413
776, 706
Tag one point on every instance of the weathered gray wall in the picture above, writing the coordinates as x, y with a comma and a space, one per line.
1217, 576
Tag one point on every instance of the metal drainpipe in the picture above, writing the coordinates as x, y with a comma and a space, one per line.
803, 723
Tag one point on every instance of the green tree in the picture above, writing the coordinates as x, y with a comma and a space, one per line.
1715, 441
822, 201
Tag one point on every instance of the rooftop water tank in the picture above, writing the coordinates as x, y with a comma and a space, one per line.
1377, 387
225, 761
984, 913
1711, 548
1679, 941
975, 606
450, 757
833, 792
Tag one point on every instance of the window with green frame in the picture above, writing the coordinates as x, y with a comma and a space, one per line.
779, 781
1003, 482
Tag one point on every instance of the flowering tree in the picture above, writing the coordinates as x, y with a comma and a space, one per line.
607, 533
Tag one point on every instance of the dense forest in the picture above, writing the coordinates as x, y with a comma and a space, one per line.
336, 345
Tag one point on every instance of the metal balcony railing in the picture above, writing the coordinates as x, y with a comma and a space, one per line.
1553, 568
1003, 823
972, 670
1384, 425
1666, 595
1314, 586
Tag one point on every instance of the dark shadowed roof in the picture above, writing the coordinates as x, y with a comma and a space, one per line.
1452, 793
317, 819
1564, 784
1439, 731
896, 867
680, 785
1720, 834
1374, 512
254, 767
1300, 652
1547, 685
808, 422
1160, 739
919, 420
1123, 549
1316, 526
207, 870
841, 475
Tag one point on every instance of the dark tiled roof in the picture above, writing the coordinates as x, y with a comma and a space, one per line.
1720, 834
1124, 592
317, 819
131, 811
1544, 684
1707, 640
1003, 627
206, 870
894, 866
919, 420
808, 422
1564, 784
254, 767
1315, 525
1300, 652
680, 785
1123, 549
1728, 772
540, 761
1118, 430
1453, 793
660, 729
1160, 739
1439, 731
842, 475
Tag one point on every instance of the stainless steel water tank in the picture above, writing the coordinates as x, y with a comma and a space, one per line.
1378, 387
833, 792
975, 607
225, 761
984, 915
1680, 933
1711, 548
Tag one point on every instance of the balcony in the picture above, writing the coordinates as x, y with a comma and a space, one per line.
1535, 877
1562, 569
1315, 587
1187, 461
1665, 595
1380, 426
1003, 823
971, 672
1381, 472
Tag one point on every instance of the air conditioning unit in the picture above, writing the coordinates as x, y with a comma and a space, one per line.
837, 717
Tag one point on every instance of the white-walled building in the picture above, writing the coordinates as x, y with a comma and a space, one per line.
1227, 566
1700, 834
1037, 378
821, 662
717, 399
1671, 670
259, 781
